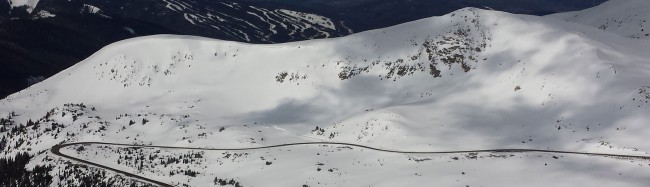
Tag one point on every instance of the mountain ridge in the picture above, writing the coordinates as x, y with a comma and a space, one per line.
627, 18
253, 21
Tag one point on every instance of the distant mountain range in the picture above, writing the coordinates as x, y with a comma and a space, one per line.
41, 38
361, 15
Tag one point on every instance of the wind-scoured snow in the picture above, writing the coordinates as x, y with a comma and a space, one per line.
472, 79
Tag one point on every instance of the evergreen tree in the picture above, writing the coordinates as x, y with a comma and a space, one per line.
3, 143
13, 172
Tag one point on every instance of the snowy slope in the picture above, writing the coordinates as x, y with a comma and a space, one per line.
472, 79
628, 18
78, 28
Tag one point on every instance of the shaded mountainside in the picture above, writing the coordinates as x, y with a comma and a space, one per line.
4, 9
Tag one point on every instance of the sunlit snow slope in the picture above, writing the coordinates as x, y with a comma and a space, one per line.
628, 18
472, 79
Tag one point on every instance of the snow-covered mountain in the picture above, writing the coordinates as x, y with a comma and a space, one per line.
472, 79
628, 18
76, 28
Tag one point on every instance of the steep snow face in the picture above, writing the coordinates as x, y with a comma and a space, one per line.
472, 79
628, 18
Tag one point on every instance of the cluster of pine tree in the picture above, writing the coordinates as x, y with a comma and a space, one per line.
224, 182
14, 174
3, 143
80, 175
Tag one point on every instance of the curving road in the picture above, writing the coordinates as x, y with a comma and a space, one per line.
56, 150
